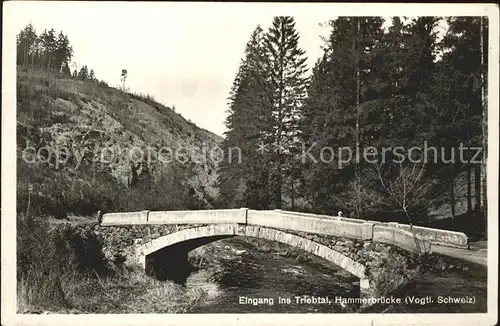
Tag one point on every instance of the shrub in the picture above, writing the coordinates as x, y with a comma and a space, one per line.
102, 83
146, 98
57, 194
53, 263
36, 93
61, 268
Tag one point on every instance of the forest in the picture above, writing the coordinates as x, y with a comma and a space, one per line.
379, 84
49, 52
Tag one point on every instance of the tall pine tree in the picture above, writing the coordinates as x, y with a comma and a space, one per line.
245, 182
339, 100
287, 68
461, 79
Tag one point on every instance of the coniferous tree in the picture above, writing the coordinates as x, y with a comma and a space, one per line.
26, 43
83, 74
408, 108
44, 51
48, 49
287, 67
339, 100
462, 76
65, 70
124, 76
245, 182
63, 52
372, 87
322, 126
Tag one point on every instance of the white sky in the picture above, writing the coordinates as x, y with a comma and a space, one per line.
184, 54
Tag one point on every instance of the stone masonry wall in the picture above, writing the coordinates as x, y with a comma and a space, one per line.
387, 266
119, 240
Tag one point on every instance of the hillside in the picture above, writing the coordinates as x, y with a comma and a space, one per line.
101, 148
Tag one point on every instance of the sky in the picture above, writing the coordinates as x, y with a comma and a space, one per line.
183, 54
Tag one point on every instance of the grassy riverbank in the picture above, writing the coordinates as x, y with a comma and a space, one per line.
130, 293
459, 280
62, 269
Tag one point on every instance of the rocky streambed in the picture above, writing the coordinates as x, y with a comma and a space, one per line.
244, 275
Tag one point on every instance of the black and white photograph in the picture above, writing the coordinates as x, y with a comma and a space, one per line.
254, 163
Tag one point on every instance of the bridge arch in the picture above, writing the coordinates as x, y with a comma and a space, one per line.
201, 235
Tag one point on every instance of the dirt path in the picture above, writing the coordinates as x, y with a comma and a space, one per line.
476, 254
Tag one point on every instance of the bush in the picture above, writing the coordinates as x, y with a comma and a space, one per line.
36, 93
57, 193
102, 83
146, 98
161, 297
52, 264
61, 268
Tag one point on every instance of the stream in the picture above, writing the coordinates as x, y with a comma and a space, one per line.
248, 275
241, 275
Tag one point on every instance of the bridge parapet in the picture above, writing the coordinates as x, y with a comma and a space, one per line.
213, 216
340, 227
389, 233
127, 218
435, 236
309, 223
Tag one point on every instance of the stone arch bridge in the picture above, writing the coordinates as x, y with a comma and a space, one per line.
381, 255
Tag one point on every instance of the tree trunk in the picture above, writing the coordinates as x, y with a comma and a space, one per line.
25, 60
484, 126
452, 195
358, 86
477, 187
469, 190
357, 99
281, 117
278, 187
132, 181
